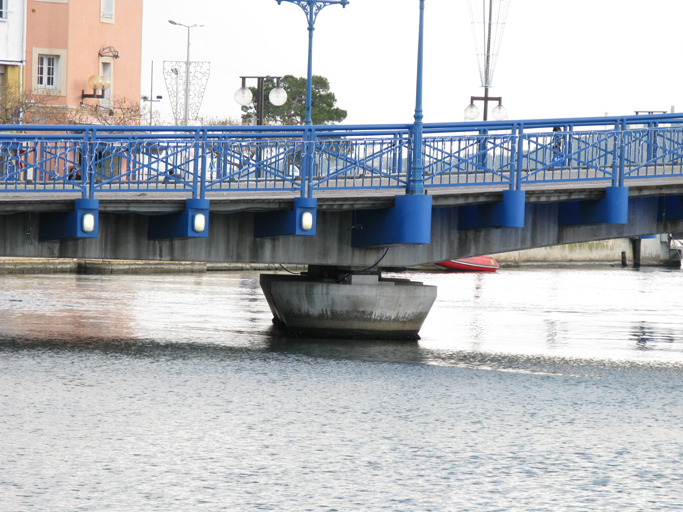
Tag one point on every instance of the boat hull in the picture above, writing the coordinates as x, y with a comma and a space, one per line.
474, 264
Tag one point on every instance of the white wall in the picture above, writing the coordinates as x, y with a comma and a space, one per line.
12, 30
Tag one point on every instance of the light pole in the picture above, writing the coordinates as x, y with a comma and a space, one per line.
277, 95
488, 24
416, 184
499, 112
187, 68
311, 8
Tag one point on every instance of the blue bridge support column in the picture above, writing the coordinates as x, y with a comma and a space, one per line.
613, 209
507, 214
408, 222
193, 222
82, 222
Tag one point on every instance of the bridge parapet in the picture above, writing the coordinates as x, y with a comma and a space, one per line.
201, 161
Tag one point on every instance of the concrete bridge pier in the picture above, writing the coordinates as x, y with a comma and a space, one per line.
336, 302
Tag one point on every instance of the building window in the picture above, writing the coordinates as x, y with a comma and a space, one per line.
47, 75
107, 10
3, 9
48, 71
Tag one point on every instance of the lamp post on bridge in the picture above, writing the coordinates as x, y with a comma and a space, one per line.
488, 24
311, 8
277, 96
416, 184
499, 112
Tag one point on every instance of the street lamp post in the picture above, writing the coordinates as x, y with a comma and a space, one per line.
488, 24
187, 68
277, 95
311, 8
499, 112
416, 184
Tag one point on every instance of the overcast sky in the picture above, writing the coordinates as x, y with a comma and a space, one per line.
570, 58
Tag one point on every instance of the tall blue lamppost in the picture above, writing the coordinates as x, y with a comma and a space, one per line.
311, 8
416, 184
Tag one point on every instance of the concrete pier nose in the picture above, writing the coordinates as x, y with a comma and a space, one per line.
362, 306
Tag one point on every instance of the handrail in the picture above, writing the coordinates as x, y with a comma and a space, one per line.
200, 161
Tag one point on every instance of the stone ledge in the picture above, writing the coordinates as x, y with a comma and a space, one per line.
88, 266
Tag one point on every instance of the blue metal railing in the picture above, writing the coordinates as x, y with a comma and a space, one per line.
200, 162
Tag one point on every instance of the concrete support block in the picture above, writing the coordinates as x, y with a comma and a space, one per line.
83, 222
191, 223
507, 214
371, 308
613, 209
408, 222
301, 221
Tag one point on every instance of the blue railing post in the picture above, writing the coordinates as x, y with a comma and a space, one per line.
196, 169
569, 146
307, 161
619, 178
87, 164
204, 176
483, 148
520, 158
513, 154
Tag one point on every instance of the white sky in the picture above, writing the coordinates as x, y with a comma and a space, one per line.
571, 58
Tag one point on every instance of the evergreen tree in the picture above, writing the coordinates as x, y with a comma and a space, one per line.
323, 103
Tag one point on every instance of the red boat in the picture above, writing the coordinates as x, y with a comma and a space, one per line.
474, 264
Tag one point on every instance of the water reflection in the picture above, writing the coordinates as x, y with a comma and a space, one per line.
537, 320
647, 336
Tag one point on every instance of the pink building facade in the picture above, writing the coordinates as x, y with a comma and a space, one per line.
68, 41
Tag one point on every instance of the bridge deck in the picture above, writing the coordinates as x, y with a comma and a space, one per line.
230, 202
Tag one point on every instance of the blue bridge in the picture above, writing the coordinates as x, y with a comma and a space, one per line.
346, 200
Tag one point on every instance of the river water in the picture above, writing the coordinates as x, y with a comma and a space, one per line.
532, 389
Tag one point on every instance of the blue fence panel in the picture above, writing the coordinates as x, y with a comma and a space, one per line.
653, 152
50, 165
469, 160
568, 156
125, 165
343, 163
253, 164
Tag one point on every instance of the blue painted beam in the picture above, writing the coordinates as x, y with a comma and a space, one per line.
613, 209
83, 222
507, 214
300, 221
670, 208
408, 222
191, 223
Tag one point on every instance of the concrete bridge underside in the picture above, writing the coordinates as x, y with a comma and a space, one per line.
123, 228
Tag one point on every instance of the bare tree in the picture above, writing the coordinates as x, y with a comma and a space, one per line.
120, 112
26, 107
